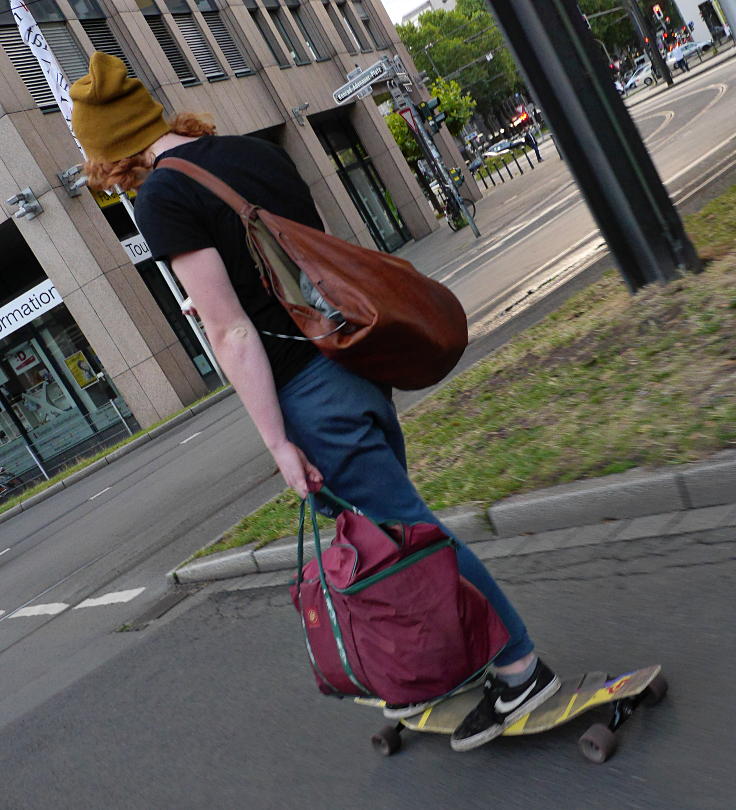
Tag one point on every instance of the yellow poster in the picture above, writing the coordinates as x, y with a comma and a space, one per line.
104, 199
80, 369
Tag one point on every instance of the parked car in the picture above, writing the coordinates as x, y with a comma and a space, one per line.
690, 49
641, 76
502, 147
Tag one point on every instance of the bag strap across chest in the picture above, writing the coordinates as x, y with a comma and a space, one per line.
211, 182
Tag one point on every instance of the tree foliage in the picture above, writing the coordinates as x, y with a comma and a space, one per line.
455, 45
615, 30
404, 138
457, 106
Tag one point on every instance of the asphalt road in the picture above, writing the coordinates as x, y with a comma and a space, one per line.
537, 227
112, 536
216, 707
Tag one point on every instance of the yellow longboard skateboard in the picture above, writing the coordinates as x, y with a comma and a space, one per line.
575, 696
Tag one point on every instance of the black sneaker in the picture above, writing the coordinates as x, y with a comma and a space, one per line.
502, 705
395, 711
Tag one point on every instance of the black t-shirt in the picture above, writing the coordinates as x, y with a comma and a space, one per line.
176, 215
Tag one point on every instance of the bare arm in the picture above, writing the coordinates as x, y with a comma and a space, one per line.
239, 350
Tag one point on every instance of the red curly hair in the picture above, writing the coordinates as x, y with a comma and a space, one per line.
131, 172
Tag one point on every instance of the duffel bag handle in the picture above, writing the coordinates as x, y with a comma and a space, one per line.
336, 632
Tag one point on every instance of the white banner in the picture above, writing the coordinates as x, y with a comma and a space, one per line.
57, 81
27, 307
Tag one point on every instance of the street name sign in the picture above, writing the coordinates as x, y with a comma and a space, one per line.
364, 79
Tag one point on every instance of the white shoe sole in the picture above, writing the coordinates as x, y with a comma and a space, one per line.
418, 708
488, 734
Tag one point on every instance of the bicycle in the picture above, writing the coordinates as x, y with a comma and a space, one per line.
456, 218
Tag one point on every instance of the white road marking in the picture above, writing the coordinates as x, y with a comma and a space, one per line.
50, 609
113, 598
4, 552
101, 492
1, 612
193, 436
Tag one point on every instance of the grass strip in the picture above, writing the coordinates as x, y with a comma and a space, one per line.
608, 382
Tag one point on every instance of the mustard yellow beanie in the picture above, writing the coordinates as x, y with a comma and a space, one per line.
114, 116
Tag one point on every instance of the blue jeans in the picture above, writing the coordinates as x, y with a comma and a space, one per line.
348, 428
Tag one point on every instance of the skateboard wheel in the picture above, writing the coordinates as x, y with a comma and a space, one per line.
387, 741
656, 690
598, 743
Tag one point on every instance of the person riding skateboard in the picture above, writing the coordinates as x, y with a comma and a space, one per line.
320, 422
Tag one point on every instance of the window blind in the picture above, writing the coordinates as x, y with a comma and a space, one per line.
199, 46
67, 51
173, 53
225, 40
103, 39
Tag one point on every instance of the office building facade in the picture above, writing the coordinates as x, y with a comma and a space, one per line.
91, 338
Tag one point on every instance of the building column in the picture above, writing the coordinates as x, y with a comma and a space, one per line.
90, 270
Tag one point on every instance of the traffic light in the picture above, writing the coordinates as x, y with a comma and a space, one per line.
432, 119
456, 176
425, 108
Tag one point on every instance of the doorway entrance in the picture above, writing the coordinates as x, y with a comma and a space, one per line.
362, 182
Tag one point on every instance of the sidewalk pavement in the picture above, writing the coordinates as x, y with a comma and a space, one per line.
636, 504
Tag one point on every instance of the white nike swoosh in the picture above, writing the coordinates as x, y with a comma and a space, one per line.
502, 707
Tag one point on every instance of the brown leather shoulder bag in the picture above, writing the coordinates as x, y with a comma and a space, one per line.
372, 312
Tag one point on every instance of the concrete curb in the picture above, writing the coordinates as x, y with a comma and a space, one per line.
116, 454
281, 555
633, 494
628, 495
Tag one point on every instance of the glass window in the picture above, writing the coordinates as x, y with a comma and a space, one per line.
177, 6
309, 29
86, 9
43, 11
362, 182
148, 8
350, 44
287, 35
370, 24
269, 38
52, 399
352, 26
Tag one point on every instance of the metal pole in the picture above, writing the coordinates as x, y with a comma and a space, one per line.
615, 173
38, 463
176, 292
120, 417
436, 161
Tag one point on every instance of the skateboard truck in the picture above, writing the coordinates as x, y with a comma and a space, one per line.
599, 741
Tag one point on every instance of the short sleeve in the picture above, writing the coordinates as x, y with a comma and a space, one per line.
166, 217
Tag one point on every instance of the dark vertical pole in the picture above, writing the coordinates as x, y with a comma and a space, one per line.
569, 77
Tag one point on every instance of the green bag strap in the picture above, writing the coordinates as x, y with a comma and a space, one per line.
334, 624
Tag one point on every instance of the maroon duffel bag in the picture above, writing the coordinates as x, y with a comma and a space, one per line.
386, 613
